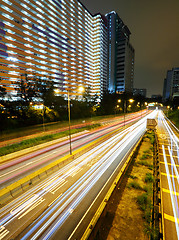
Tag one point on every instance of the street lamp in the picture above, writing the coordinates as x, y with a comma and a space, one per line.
125, 107
42, 107
57, 91
81, 90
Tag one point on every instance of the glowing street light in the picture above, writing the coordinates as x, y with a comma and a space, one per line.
81, 89
131, 100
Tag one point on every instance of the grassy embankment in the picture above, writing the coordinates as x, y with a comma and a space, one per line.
143, 180
42, 139
8, 134
144, 183
129, 211
174, 117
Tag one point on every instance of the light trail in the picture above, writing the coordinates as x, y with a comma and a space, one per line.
174, 202
63, 206
36, 163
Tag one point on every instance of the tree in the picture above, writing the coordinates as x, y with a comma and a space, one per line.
2, 90
45, 90
27, 89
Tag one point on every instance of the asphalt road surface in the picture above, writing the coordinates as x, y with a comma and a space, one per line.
169, 165
17, 168
61, 206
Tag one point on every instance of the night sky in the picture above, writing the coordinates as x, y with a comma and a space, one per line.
154, 26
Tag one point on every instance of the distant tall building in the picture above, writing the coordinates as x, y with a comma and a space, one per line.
99, 55
140, 91
120, 55
171, 84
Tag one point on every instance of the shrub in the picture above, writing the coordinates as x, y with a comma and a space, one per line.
149, 178
142, 201
133, 177
135, 185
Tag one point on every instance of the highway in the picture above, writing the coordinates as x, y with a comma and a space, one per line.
61, 206
169, 164
17, 168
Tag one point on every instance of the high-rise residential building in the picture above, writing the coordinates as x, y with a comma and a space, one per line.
99, 55
171, 84
57, 40
120, 55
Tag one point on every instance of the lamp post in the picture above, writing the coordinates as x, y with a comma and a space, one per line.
80, 89
69, 123
125, 108
42, 107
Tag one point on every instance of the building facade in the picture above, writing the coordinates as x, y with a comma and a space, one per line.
171, 84
120, 55
140, 91
57, 40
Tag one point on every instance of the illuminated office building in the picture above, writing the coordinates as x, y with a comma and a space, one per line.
53, 39
171, 84
120, 55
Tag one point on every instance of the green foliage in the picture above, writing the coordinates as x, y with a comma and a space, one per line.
149, 178
38, 140
174, 117
145, 156
145, 163
134, 184
151, 136
132, 176
142, 200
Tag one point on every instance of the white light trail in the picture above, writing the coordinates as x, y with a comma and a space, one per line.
174, 203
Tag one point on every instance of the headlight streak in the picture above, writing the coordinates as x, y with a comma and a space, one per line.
174, 203
174, 127
112, 127
173, 167
55, 180
39, 195
72, 207
58, 180
111, 140
94, 177
172, 137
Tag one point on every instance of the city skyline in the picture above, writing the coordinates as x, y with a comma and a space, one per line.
154, 36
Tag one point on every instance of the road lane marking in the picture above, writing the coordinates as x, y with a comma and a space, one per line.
55, 189
171, 192
172, 176
167, 149
169, 155
173, 200
32, 207
79, 170
2, 175
3, 232
171, 164
171, 218
55, 200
